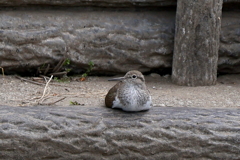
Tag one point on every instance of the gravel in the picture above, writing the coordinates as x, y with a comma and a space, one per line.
15, 92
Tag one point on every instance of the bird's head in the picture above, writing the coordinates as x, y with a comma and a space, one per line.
134, 77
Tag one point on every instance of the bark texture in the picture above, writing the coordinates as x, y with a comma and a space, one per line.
196, 42
80, 132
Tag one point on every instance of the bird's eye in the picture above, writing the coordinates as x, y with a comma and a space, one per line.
134, 76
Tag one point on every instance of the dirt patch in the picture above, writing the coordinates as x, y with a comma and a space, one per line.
226, 93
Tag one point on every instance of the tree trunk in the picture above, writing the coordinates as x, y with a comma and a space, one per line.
196, 42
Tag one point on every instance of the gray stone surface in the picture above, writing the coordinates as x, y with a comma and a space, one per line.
80, 132
116, 40
101, 3
229, 51
231, 1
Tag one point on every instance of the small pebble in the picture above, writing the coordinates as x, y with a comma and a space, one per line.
181, 103
155, 75
162, 105
166, 76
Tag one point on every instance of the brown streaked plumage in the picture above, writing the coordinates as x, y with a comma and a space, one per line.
130, 94
110, 97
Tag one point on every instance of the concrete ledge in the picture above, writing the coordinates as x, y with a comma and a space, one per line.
100, 133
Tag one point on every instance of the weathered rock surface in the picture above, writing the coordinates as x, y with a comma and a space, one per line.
229, 51
101, 3
80, 132
115, 40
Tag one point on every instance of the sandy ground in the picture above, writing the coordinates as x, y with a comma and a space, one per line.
15, 92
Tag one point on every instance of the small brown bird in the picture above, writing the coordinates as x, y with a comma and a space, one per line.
130, 94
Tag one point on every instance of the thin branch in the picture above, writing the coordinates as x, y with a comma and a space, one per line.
59, 65
56, 101
2, 71
58, 73
47, 69
28, 80
45, 88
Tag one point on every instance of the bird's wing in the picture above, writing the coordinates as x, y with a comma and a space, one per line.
110, 97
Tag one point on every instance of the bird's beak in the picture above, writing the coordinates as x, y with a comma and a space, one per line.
117, 79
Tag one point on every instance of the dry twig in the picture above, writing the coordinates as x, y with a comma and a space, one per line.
59, 65
2, 71
47, 69
58, 73
46, 88
28, 80
51, 103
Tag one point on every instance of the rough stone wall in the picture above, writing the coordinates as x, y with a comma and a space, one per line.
102, 3
99, 3
114, 39
229, 51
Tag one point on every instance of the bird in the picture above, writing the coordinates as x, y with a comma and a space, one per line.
130, 94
